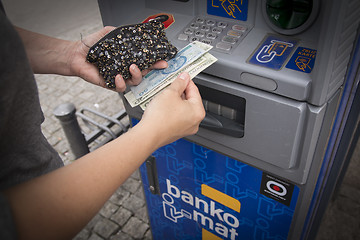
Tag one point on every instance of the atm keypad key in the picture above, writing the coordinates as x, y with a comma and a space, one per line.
234, 33
200, 20
222, 24
205, 28
199, 34
207, 41
216, 30
183, 37
194, 25
211, 35
223, 46
210, 22
193, 39
229, 39
239, 28
189, 31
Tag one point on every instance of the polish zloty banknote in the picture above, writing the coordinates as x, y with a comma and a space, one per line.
133, 101
201, 63
194, 69
185, 56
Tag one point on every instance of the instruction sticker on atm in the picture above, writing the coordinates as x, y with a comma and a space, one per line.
273, 52
303, 60
233, 9
276, 189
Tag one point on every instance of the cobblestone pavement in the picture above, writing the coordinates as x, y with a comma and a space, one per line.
124, 214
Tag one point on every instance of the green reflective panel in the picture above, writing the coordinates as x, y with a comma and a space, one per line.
288, 14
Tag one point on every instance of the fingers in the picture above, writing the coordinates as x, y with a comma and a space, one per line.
135, 80
187, 90
192, 91
175, 112
136, 75
159, 65
119, 83
180, 83
192, 95
107, 29
91, 39
186, 87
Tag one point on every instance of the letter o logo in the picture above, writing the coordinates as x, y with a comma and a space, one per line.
276, 188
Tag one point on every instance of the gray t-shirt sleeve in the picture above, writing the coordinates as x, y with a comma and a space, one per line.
24, 151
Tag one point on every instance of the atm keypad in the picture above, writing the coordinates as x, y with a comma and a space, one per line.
223, 35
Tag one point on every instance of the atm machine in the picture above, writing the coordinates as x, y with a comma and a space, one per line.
278, 102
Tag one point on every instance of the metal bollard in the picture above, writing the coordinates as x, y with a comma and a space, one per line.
66, 113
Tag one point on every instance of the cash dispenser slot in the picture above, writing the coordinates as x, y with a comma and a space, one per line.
225, 113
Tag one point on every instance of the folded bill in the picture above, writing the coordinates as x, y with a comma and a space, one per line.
183, 58
194, 69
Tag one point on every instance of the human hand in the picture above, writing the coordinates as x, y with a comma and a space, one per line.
89, 72
176, 112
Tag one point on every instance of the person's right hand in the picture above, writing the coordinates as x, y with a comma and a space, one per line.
176, 112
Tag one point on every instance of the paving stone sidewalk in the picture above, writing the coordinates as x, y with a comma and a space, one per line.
124, 214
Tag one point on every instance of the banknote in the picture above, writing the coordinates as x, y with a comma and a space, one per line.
193, 69
184, 57
133, 101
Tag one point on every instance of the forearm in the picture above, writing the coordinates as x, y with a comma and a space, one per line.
63, 201
47, 54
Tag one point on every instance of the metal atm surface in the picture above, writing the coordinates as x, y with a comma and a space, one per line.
286, 83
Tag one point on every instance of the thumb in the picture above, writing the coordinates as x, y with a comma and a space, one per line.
180, 83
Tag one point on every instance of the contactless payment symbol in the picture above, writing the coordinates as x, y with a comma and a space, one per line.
302, 60
234, 9
273, 52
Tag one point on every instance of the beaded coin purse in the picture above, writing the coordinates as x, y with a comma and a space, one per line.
142, 44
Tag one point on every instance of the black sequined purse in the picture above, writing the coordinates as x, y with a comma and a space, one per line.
142, 44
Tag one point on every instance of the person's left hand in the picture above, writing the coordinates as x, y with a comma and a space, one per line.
89, 72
